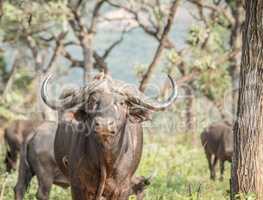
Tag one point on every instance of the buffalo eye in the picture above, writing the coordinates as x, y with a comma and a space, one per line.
93, 104
122, 103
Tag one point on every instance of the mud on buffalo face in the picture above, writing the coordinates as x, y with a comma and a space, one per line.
106, 105
107, 113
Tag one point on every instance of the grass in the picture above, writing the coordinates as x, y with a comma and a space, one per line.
177, 167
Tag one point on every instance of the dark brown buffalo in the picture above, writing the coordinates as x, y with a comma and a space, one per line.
14, 135
217, 140
37, 159
104, 149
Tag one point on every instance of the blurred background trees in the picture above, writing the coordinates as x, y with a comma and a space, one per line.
70, 39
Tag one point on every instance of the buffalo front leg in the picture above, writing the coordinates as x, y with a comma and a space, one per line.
22, 186
213, 170
138, 185
222, 169
44, 187
45, 181
209, 160
78, 194
123, 191
25, 175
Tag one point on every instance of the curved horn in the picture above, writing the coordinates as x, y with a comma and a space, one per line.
153, 105
65, 103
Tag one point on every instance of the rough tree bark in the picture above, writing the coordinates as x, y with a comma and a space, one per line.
235, 44
190, 109
247, 170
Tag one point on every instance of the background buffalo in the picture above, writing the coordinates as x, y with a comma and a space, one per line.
217, 140
14, 135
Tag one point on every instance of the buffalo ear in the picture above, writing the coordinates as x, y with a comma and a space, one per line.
139, 114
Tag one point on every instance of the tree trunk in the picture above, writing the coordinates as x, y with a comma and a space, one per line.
190, 115
86, 44
235, 44
247, 170
189, 110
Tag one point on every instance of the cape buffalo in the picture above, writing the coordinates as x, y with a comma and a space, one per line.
14, 135
37, 159
105, 147
217, 140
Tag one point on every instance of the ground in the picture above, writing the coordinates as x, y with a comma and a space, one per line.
177, 165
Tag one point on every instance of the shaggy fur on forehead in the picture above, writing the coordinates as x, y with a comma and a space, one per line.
105, 83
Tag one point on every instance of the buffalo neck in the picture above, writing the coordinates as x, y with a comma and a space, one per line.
111, 156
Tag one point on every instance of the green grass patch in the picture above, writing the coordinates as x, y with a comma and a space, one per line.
178, 167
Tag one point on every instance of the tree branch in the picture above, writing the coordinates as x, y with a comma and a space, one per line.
57, 50
158, 53
95, 15
86, 36
146, 29
215, 9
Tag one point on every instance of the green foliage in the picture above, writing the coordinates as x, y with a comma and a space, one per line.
231, 3
173, 57
158, 15
206, 48
213, 83
23, 78
250, 196
15, 96
32, 19
21, 82
3, 70
140, 70
196, 34
7, 114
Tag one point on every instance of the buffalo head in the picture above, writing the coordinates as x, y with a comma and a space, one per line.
106, 105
